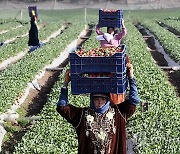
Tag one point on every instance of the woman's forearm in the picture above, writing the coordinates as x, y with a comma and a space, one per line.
98, 31
63, 98
133, 93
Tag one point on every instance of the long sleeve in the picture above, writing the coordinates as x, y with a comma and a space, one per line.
98, 31
128, 107
71, 113
133, 93
63, 98
122, 34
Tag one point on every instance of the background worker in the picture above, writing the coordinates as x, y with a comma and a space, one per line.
111, 38
33, 32
100, 128
33, 41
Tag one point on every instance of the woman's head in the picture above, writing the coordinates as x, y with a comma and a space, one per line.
111, 30
99, 100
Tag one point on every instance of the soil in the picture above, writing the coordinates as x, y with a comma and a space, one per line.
173, 76
37, 99
158, 57
8, 146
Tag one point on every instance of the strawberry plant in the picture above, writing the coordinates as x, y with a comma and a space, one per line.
172, 23
14, 79
169, 41
21, 45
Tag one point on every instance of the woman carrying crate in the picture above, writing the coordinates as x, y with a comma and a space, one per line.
33, 32
33, 41
101, 127
112, 39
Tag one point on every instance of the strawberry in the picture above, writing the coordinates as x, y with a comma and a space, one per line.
104, 52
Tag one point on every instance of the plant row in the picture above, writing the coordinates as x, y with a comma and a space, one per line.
14, 79
8, 24
173, 24
14, 33
168, 40
52, 134
155, 131
21, 44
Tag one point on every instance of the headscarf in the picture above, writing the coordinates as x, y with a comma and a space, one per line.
105, 107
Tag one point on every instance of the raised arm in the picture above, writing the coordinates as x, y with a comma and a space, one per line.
98, 31
123, 32
128, 107
133, 93
71, 113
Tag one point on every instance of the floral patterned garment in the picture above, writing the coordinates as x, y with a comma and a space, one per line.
96, 133
100, 128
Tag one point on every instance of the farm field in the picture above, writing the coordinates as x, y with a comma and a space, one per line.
154, 130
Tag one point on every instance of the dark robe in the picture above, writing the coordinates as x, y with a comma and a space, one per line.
33, 34
99, 133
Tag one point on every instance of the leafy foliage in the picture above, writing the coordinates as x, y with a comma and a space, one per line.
168, 40
14, 79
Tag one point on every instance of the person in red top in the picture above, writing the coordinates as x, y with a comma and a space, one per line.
100, 128
111, 39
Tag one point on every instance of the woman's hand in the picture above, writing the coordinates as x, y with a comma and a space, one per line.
129, 67
130, 70
123, 25
67, 76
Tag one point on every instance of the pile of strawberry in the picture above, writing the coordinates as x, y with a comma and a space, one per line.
104, 52
107, 10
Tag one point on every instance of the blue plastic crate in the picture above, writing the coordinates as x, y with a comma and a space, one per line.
113, 64
82, 85
110, 19
30, 9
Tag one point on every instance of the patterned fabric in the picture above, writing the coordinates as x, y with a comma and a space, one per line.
100, 128
100, 133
